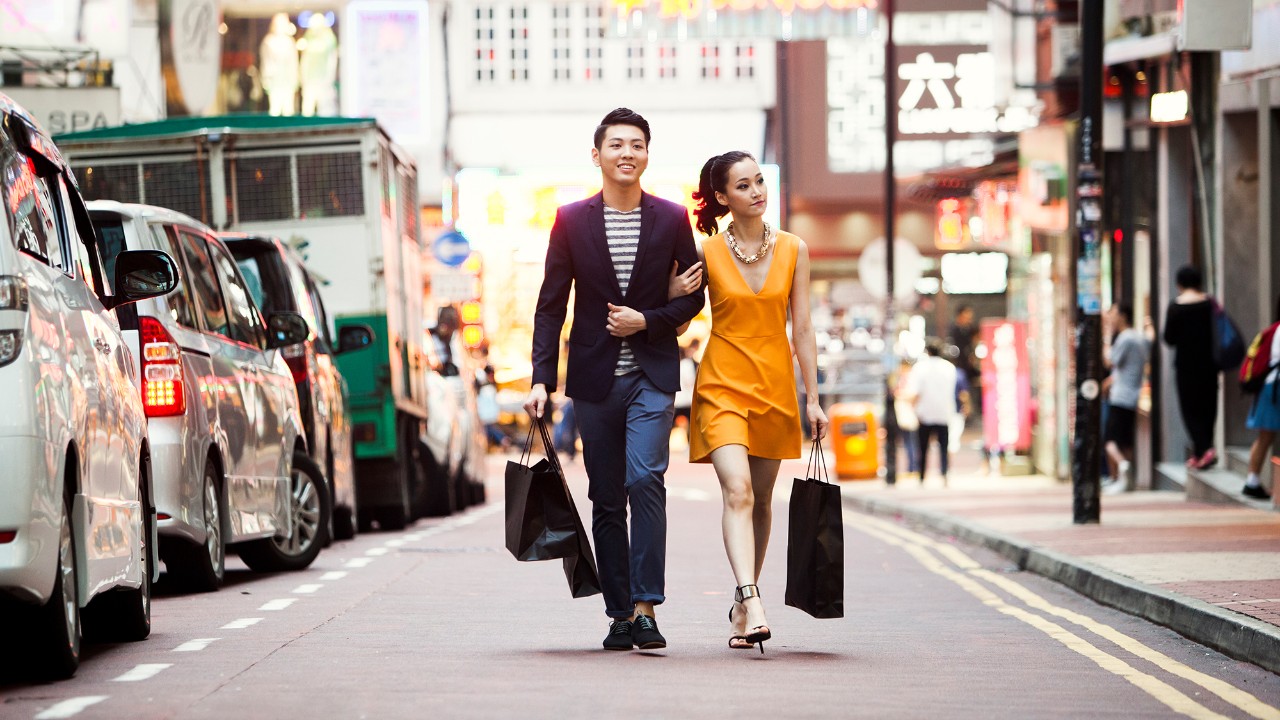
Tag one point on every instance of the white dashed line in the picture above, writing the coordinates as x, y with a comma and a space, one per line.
394, 543
376, 551
241, 624
413, 538
333, 575
358, 562
280, 604
194, 645
142, 672
70, 706
308, 588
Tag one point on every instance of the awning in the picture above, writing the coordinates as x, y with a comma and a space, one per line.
1131, 49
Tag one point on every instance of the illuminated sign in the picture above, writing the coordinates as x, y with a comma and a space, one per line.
952, 232
1006, 385
975, 273
1169, 107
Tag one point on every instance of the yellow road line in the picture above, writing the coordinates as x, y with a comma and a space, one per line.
1156, 688
1228, 692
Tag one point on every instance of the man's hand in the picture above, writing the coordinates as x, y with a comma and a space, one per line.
536, 401
624, 322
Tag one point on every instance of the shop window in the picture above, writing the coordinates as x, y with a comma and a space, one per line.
667, 62
635, 62
519, 43
330, 185
280, 63
109, 182
263, 187
561, 43
179, 185
710, 61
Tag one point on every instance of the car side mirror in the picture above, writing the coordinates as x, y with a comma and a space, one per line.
286, 328
354, 337
142, 274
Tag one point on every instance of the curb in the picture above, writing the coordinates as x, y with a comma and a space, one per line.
1231, 633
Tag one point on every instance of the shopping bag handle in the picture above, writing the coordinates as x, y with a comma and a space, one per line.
527, 450
549, 443
817, 465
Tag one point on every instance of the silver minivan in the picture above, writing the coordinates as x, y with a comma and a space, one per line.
229, 456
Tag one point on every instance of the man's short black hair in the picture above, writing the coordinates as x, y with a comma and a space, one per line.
933, 347
962, 309
621, 116
1189, 277
1126, 312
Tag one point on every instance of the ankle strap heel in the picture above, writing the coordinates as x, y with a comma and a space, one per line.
744, 592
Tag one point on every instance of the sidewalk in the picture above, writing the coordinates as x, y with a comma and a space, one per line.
1209, 572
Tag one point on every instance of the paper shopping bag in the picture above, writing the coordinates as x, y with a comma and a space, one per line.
815, 543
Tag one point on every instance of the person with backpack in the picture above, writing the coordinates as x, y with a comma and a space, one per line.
1262, 362
1188, 328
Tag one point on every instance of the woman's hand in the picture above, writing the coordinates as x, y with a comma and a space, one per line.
817, 419
685, 283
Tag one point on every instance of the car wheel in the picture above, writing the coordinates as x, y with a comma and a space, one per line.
311, 512
203, 567
125, 614
57, 630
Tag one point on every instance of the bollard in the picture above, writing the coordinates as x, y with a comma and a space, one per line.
854, 441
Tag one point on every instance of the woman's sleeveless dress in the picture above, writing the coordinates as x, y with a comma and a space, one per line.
746, 389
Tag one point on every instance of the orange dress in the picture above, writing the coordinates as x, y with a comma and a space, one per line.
746, 388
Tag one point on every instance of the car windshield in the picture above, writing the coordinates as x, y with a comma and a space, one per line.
112, 241
264, 277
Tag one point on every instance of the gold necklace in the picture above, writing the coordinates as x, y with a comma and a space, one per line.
737, 250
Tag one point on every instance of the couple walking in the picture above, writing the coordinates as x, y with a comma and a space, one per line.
637, 277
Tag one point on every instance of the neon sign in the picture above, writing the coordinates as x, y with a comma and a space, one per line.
1006, 379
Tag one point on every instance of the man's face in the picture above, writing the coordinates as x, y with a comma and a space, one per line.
622, 156
965, 318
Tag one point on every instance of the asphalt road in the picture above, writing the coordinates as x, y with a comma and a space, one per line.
439, 621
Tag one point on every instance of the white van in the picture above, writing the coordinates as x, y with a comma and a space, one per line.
77, 521
228, 447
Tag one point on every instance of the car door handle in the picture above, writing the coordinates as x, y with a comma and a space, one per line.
103, 346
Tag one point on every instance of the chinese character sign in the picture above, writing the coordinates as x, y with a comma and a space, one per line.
1006, 386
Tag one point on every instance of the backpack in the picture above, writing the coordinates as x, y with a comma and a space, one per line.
1228, 343
1258, 362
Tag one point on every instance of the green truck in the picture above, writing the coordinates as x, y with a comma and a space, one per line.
346, 196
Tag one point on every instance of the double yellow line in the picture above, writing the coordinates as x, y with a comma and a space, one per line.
951, 563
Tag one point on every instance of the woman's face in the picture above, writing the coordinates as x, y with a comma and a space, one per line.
745, 193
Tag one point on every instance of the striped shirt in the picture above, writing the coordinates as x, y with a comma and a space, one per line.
622, 230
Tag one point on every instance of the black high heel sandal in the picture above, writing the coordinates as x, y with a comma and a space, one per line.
743, 638
759, 633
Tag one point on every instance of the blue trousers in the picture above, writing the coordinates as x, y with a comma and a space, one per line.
625, 451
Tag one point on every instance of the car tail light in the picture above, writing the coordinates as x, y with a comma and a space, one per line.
163, 516
13, 296
163, 394
7, 536
298, 360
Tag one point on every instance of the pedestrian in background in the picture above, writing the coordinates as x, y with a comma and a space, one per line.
1188, 329
746, 415
908, 423
932, 392
613, 251
1265, 415
1128, 359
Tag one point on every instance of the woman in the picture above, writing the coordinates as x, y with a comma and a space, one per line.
1188, 327
745, 415
1265, 418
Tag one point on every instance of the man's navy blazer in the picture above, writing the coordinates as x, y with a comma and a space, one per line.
578, 257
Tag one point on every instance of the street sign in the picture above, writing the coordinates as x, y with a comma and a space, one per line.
451, 248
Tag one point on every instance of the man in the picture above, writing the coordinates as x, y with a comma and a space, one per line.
932, 389
615, 250
1128, 358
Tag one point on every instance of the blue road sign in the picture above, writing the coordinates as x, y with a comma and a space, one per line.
451, 248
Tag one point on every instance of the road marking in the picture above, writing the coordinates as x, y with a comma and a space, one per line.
394, 543
376, 551
333, 575
70, 706
278, 604
414, 537
1156, 688
194, 645
241, 624
358, 562
142, 672
308, 588
1228, 692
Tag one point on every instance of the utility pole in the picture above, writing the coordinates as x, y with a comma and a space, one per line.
1086, 448
890, 207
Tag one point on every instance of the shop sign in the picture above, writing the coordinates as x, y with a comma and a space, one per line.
975, 273
194, 53
952, 231
1169, 107
693, 9
1006, 385
386, 61
64, 110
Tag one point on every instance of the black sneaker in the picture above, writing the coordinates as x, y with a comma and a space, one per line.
644, 632
1256, 491
619, 637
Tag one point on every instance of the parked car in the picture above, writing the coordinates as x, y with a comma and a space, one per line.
228, 450
456, 447
77, 518
280, 281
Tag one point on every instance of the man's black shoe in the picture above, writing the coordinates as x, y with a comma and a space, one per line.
1256, 491
619, 637
644, 632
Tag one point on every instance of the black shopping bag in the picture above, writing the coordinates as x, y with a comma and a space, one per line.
580, 565
815, 542
542, 523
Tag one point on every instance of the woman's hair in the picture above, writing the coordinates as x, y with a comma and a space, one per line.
715, 177
1189, 277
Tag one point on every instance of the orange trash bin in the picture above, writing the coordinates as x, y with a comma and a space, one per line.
854, 441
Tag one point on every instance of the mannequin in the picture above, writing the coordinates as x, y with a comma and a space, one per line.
278, 63
319, 67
